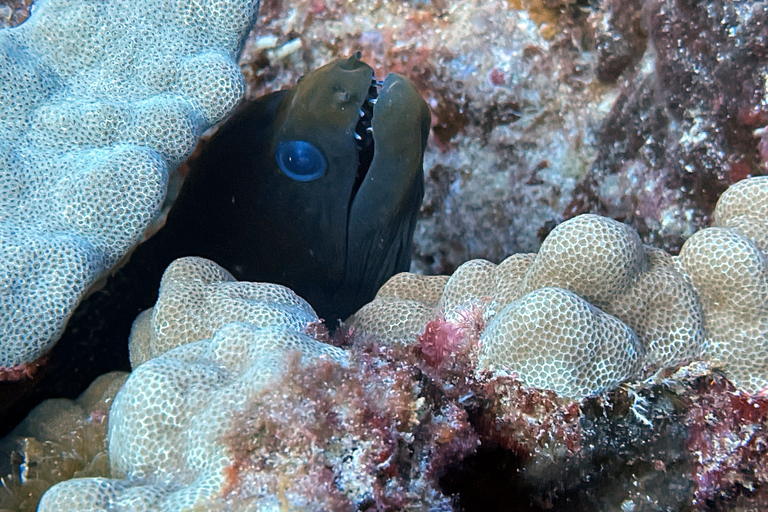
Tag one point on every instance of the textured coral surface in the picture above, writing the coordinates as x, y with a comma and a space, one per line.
59, 440
198, 297
398, 428
166, 449
101, 101
457, 394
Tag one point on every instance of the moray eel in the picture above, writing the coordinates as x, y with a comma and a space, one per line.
316, 188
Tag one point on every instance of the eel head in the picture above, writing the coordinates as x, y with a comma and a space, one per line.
316, 188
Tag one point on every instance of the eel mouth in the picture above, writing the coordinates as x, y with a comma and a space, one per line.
364, 135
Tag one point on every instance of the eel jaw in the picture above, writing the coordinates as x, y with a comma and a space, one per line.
382, 216
364, 136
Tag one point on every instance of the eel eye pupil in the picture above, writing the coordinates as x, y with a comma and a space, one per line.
300, 160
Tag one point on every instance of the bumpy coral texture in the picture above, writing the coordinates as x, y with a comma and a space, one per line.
198, 297
604, 262
166, 427
401, 308
728, 266
101, 101
542, 316
540, 312
556, 340
59, 440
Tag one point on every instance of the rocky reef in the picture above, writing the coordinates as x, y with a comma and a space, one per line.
616, 361
458, 393
643, 111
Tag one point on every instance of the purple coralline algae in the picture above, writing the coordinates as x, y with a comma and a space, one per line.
689, 119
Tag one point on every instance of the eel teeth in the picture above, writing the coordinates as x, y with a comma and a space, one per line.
372, 101
357, 136
361, 112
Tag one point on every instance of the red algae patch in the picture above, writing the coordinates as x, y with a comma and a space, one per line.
728, 439
333, 438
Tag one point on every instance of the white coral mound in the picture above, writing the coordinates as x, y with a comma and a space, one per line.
541, 310
167, 425
728, 266
99, 101
554, 339
197, 298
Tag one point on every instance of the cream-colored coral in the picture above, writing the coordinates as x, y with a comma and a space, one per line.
594, 257
167, 424
100, 102
60, 439
553, 339
728, 267
599, 260
744, 208
509, 275
662, 308
604, 262
473, 284
406, 302
401, 308
711, 301
197, 297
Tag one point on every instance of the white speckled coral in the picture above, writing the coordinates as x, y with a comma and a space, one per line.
744, 208
594, 257
166, 426
100, 102
663, 310
712, 300
603, 261
401, 308
198, 297
554, 339
590, 255
728, 267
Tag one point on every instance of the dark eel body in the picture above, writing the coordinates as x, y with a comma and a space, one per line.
316, 188
333, 239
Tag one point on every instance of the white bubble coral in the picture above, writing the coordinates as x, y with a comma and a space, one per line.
100, 102
167, 424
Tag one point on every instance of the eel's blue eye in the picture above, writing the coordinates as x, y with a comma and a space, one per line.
300, 160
